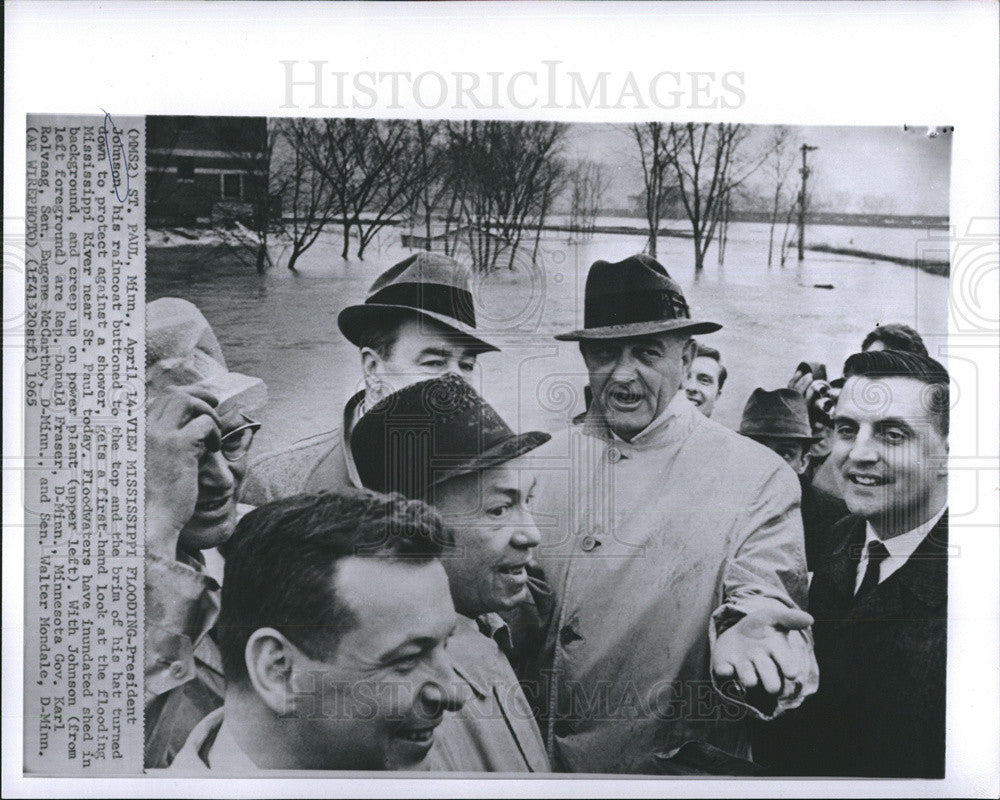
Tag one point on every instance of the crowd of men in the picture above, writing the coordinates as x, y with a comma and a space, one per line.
644, 591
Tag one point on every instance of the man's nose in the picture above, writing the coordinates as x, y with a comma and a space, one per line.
526, 535
215, 471
624, 370
436, 698
863, 448
443, 693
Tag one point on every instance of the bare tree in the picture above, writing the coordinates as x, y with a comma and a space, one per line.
552, 182
504, 178
308, 191
588, 184
432, 175
779, 166
370, 167
250, 150
725, 211
655, 156
705, 162
788, 237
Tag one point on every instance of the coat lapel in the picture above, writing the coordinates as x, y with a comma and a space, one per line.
837, 577
924, 577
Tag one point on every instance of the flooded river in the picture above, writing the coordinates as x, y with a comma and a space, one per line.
282, 326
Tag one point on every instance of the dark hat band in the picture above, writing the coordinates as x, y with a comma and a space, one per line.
437, 298
631, 307
777, 428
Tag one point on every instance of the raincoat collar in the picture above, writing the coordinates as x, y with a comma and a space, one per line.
353, 411
466, 656
675, 422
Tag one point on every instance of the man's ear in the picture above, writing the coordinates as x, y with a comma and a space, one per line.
687, 356
370, 361
371, 364
943, 471
806, 459
270, 659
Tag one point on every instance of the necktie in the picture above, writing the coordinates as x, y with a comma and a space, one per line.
876, 555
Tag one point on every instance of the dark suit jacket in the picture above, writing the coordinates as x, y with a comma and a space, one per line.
880, 707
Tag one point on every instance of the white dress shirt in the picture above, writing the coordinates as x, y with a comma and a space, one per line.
900, 548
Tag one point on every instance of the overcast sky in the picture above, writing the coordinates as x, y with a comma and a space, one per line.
851, 162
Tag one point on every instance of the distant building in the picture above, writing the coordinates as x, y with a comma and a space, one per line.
205, 170
672, 206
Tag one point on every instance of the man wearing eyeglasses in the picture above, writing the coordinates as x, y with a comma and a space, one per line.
198, 434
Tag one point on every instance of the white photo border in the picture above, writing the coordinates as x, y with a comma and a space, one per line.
924, 63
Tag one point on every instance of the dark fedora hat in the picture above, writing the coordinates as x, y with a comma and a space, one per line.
634, 297
429, 432
780, 414
431, 285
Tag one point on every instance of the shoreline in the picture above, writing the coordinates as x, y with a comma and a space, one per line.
933, 266
205, 237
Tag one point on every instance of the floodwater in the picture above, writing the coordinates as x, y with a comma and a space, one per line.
282, 326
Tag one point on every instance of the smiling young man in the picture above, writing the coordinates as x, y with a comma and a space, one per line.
674, 549
335, 613
705, 378
881, 599
198, 434
417, 321
439, 441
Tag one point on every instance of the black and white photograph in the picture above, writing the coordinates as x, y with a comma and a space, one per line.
475, 398
673, 392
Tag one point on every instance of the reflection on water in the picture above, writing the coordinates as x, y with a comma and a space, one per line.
282, 326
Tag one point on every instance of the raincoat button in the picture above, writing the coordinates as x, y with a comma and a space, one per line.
178, 670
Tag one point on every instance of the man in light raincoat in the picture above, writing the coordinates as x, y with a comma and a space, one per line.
675, 550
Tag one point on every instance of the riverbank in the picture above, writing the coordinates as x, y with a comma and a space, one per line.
282, 325
174, 237
933, 266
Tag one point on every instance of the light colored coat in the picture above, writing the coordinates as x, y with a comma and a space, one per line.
211, 749
495, 731
319, 463
652, 548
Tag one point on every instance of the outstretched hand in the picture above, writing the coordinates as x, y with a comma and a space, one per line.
180, 421
756, 651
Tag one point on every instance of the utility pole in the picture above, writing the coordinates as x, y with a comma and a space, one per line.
804, 172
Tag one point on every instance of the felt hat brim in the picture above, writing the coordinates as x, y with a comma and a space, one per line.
756, 434
354, 320
631, 329
495, 456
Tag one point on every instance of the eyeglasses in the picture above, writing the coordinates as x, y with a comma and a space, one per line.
235, 444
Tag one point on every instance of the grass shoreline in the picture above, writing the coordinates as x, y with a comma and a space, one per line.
932, 266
